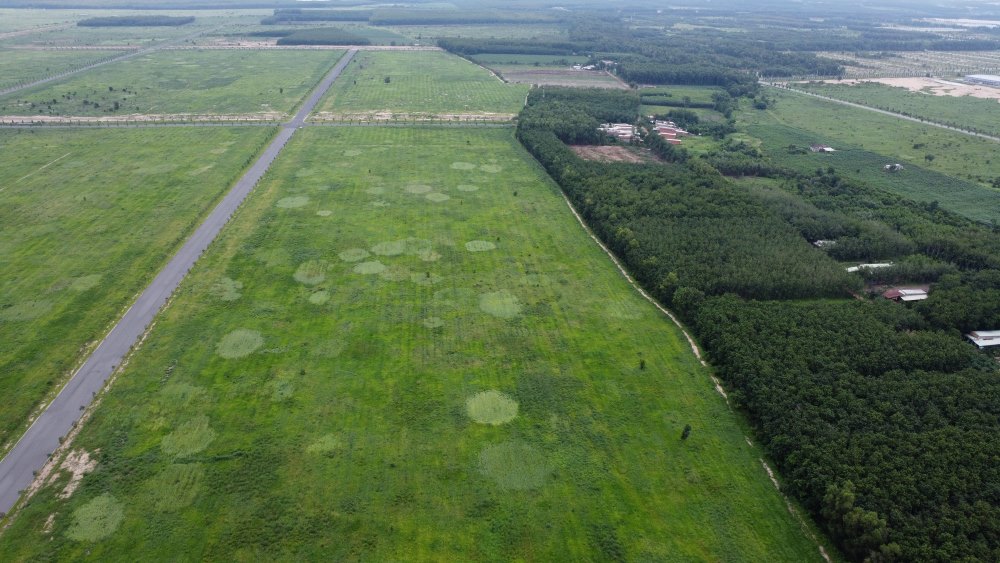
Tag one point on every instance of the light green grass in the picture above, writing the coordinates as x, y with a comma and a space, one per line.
697, 94
557, 76
86, 220
346, 436
427, 34
19, 67
966, 112
178, 82
955, 154
425, 82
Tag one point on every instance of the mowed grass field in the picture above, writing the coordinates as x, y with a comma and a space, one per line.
557, 76
954, 154
182, 82
86, 220
966, 112
18, 67
419, 82
404, 347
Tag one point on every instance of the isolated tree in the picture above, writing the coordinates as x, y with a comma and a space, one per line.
686, 432
929, 158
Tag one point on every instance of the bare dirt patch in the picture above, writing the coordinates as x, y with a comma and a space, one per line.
78, 463
614, 153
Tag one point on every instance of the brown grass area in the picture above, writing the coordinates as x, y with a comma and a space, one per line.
614, 153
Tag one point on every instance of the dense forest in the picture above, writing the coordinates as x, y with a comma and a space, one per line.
135, 21
880, 417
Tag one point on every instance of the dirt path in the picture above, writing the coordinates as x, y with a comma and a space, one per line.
31, 454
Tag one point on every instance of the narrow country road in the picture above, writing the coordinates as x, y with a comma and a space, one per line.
889, 113
43, 437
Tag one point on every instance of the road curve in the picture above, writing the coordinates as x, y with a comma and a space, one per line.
890, 113
42, 438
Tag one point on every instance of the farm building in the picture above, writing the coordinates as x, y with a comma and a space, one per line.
860, 267
822, 243
906, 294
984, 79
621, 131
893, 167
984, 338
822, 148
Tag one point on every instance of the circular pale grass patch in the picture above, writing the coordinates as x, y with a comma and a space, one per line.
239, 343
375, 190
293, 202
374, 267
189, 438
502, 304
227, 289
324, 213
514, 465
433, 322
418, 188
395, 273
352, 152
438, 197
491, 407
327, 445
479, 245
319, 297
176, 486
354, 254
428, 255
380, 203
457, 297
462, 166
466, 187
97, 519
404, 246
329, 348
311, 272
491, 168
425, 278
83, 283
25, 310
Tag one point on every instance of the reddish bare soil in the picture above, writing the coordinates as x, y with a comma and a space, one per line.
614, 153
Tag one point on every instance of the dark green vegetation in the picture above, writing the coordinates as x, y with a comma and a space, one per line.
966, 112
135, 21
181, 82
394, 353
322, 36
86, 220
880, 417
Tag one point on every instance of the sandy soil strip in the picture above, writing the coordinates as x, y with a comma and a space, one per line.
934, 86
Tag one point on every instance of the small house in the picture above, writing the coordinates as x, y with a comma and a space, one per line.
822, 148
984, 338
906, 294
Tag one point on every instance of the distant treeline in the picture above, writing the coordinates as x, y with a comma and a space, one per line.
322, 36
882, 421
135, 21
403, 16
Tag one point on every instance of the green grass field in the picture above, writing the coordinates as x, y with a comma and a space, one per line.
18, 67
954, 154
961, 111
12, 20
420, 82
678, 93
86, 220
556, 76
108, 36
405, 348
426, 34
175, 82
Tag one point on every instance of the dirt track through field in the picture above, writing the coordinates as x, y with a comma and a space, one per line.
44, 436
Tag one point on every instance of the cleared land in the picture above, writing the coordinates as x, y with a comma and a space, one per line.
86, 220
380, 84
490, 59
174, 82
557, 76
614, 153
953, 154
960, 105
393, 353
20, 67
863, 152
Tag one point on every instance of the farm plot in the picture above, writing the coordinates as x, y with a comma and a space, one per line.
253, 83
927, 99
20, 67
418, 84
137, 37
557, 76
951, 153
948, 64
86, 220
395, 352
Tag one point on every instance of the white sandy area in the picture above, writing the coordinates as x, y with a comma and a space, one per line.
935, 86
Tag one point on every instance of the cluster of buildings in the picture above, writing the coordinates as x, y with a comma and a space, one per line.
669, 131
621, 131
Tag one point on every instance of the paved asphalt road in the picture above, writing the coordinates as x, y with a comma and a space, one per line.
42, 438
